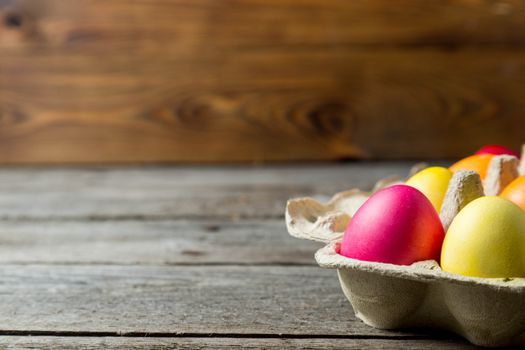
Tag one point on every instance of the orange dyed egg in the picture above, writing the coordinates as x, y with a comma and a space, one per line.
478, 163
515, 192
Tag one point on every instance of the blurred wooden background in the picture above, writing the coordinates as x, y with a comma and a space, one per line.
258, 80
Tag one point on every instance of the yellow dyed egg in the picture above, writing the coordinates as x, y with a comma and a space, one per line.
486, 239
433, 183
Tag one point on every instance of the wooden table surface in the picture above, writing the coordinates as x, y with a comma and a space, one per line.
186, 257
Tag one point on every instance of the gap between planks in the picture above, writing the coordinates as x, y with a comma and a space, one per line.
43, 342
39, 333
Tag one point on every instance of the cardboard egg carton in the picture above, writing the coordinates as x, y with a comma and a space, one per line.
486, 311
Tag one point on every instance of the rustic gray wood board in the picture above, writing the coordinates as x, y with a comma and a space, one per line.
194, 192
88, 343
176, 300
153, 242
191, 257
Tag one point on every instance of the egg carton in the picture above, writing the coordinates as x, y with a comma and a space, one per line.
486, 311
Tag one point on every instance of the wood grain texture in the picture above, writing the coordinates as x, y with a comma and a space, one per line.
88, 343
256, 23
90, 278
251, 242
249, 80
139, 300
171, 193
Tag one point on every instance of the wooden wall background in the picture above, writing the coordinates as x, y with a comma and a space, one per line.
253, 80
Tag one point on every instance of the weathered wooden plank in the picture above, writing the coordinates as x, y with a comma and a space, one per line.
159, 81
197, 192
85, 343
177, 300
152, 242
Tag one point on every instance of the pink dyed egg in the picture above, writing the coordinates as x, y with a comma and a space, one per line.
397, 225
497, 150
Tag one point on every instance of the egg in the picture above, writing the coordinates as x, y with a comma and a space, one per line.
486, 239
396, 225
477, 162
497, 150
515, 192
433, 183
